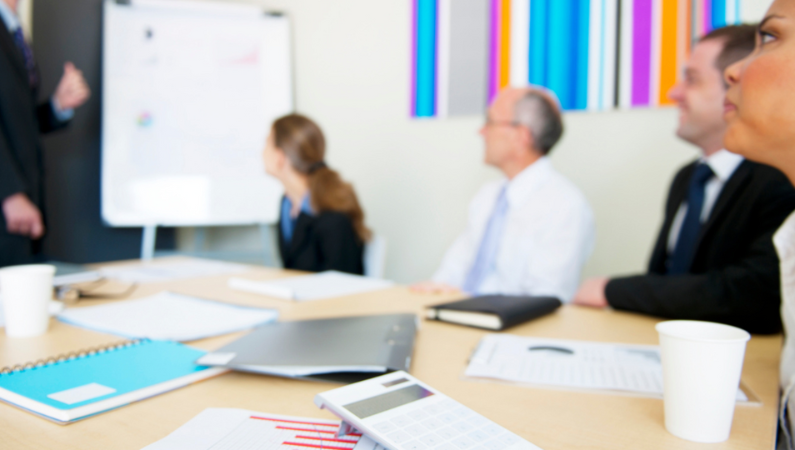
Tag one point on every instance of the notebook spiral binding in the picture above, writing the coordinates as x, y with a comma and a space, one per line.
90, 351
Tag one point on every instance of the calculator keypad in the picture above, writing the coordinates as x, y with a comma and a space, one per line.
385, 427
445, 425
463, 427
463, 443
418, 415
414, 445
416, 429
399, 436
447, 432
478, 436
433, 423
432, 439
447, 418
402, 421
494, 445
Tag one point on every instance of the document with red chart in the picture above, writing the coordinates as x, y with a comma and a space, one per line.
229, 428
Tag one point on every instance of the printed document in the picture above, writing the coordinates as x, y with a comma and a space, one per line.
318, 286
228, 428
158, 271
168, 316
571, 364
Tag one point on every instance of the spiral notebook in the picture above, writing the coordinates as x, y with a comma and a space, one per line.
73, 386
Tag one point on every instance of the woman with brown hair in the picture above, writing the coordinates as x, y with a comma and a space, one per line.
321, 225
760, 111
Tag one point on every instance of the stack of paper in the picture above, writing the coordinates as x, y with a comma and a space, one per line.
168, 316
312, 287
159, 271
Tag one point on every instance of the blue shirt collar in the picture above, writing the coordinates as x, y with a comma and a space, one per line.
287, 204
9, 18
306, 206
288, 223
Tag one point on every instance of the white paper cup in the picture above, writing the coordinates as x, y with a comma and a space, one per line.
702, 363
27, 291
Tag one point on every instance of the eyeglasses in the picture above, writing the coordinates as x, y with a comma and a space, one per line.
501, 123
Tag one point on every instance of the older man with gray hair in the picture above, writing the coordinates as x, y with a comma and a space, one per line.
531, 232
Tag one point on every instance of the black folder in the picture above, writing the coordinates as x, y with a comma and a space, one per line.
494, 312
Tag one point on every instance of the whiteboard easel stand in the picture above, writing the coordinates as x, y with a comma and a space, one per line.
265, 233
148, 242
199, 239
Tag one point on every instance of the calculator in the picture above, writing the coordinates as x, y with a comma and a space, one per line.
402, 413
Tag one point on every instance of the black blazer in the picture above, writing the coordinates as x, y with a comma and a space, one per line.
326, 241
734, 278
21, 122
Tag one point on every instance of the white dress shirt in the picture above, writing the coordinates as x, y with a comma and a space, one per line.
784, 240
9, 17
723, 164
548, 236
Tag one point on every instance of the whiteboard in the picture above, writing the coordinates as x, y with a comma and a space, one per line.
190, 90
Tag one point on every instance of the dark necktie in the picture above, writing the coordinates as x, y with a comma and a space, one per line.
27, 53
686, 243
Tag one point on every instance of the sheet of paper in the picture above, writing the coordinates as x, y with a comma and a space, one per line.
571, 364
227, 428
159, 271
319, 286
168, 316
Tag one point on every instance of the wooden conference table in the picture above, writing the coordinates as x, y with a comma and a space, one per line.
551, 419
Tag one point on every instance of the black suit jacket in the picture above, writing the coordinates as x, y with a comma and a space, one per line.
21, 122
734, 278
326, 241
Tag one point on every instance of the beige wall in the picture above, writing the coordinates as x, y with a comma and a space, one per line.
416, 177
754, 10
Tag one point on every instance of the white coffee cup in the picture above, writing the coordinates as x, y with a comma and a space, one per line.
27, 291
702, 363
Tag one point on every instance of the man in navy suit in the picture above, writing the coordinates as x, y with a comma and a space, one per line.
714, 258
22, 120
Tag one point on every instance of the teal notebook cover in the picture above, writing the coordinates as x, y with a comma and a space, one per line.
123, 369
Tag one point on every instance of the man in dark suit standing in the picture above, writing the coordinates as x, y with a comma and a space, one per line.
21, 122
714, 258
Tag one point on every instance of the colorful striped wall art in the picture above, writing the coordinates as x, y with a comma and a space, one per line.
594, 54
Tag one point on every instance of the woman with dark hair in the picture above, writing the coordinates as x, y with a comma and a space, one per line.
760, 111
321, 225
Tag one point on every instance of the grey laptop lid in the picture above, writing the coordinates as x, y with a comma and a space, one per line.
353, 348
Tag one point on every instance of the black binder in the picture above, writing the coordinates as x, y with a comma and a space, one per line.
494, 312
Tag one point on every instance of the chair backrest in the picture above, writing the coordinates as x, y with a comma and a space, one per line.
375, 257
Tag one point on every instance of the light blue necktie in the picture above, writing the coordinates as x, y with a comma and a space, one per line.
489, 245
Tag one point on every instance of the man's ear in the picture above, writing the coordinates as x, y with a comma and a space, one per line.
526, 138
